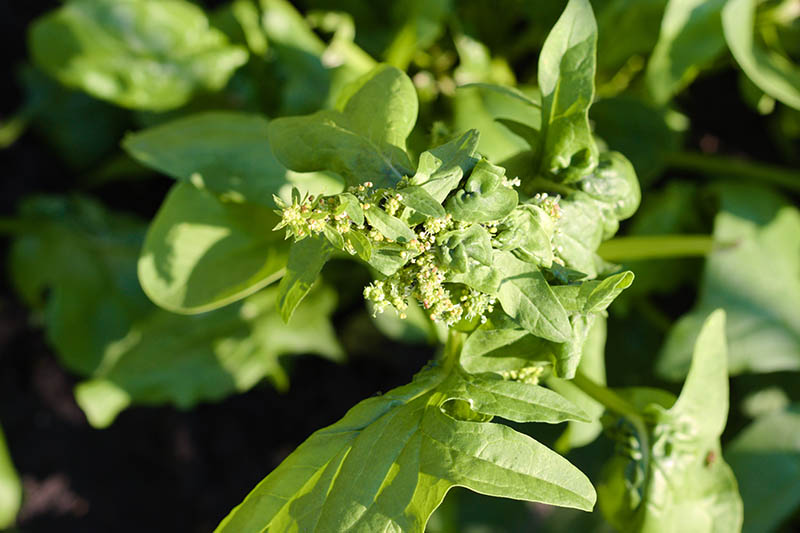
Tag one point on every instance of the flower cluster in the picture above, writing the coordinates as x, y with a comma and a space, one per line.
422, 276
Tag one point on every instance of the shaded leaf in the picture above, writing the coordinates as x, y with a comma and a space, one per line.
771, 71
225, 152
142, 54
690, 38
765, 457
202, 253
756, 280
306, 259
416, 453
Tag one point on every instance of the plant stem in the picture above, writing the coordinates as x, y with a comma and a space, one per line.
452, 348
735, 167
614, 402
656, 247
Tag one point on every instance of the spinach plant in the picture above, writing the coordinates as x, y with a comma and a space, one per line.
494, 236
502, 255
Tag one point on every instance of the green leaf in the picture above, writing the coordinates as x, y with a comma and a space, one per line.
467, 254
418, 199
77, 262
592, 364
527, 298
363, 140
225, 152
528, 231
756, 280
566, 78
390, 227
511, 92
765, 457
306, 259
579, 232
484, 197
83, 259
202, 253
352, 208
771, 71
440, 169
10, 487
500, 345
593, 296
416, 452
690, 38
141, 54
672, 478
183, 360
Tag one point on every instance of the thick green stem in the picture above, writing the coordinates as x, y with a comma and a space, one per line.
730, 167
614, 402
656, 247
452, 348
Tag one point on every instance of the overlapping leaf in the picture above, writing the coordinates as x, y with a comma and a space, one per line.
104, 328
755, 278
773, 72
671, 477
765, 457
390, 461
142, 54
363, 140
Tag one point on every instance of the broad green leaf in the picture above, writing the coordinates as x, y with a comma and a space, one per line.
225, 152
579, 232
765, 457
10, 487
202, 253
527, 298
672, 478
690, 38
418, 199
306, 259
415, 453
566, 79
142, 54
756, 280
592, 213
485, 197
390, 227
363, 140
770, 70
440, 169
183, 360
77, 262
